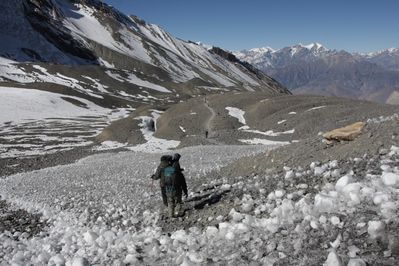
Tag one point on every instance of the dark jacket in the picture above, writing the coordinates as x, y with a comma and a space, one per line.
159, 172
181, 180
181, 185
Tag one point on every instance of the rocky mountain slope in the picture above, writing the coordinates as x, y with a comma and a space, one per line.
89, 49
317, 70
241, 118
388, 58
69, 68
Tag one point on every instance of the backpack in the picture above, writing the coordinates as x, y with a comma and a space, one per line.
170, 182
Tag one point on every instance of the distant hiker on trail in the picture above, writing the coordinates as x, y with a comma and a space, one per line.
172, 183
206, 134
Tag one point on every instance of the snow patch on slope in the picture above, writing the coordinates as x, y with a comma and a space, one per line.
270, 133
257, 141
17, 105
153, 144
133, 79
237, 113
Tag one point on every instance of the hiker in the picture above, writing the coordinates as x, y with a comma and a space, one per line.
165, 161
206, 134
181, 185
172, 183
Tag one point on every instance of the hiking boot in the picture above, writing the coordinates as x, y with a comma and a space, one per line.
179, 210
171, 211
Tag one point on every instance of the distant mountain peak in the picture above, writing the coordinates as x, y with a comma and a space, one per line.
388, 51
263, 50
257, 54
393, 50
314, 45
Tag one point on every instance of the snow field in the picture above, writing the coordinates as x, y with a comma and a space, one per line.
36, 104
239, 114
103, 208
53, 135
35, 122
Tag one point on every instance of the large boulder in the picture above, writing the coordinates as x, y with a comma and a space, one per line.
349, 132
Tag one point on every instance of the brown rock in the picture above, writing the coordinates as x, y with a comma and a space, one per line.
349, 132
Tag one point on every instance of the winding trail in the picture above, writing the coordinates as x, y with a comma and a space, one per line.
208, 125
210, 119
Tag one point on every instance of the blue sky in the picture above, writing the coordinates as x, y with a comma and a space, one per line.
352, 25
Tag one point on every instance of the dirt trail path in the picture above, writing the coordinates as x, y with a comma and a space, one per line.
208, 123
210, 119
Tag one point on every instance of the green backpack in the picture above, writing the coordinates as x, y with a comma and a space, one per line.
169, 174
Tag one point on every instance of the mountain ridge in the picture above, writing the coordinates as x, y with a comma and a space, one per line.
49, 43
318, 70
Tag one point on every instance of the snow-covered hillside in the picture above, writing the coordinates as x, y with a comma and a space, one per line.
36, 122
90, 59
35, 104
140, 56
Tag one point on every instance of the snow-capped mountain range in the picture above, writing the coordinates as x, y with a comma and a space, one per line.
316, 69
388, 58
48, 44
267, 56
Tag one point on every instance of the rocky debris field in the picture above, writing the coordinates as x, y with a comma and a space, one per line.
378, 135
236, 118
104, 210
10, 166
306, 203
18, 223
101, 209
338, 207
333, 213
